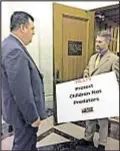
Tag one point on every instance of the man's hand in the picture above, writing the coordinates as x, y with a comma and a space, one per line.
85, 76
36, 123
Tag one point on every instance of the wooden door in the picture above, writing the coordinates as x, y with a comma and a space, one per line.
73, 40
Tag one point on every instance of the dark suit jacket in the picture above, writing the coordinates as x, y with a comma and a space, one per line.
109, 62
22, 84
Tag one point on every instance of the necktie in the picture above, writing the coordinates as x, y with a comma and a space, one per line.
97, 61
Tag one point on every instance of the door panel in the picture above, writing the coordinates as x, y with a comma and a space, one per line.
72, 40
74, 30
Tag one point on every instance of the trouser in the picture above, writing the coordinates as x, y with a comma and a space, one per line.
25, 137
91, 129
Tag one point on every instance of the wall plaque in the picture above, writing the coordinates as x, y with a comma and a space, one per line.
74, 48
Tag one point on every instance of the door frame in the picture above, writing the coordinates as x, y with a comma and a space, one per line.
58, 11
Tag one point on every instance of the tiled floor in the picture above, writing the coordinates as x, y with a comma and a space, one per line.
62, 137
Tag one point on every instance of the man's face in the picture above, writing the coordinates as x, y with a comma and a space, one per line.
28, 32
101, 44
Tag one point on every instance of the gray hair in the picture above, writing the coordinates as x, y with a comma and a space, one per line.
19, 18
105, 33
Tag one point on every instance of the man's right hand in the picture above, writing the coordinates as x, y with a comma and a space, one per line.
85, 76
36, 123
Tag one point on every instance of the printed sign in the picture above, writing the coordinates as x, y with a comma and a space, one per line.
89, 98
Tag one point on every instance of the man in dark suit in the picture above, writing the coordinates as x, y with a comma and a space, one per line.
102, 61
23, 103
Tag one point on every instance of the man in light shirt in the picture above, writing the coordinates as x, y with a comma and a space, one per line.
23, 102
102, 61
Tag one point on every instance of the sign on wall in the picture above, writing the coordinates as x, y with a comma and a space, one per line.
74, 48
90, 98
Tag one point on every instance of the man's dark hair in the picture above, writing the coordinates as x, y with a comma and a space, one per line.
19, 18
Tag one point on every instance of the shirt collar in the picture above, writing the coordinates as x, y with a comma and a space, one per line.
18, 39
102, 53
